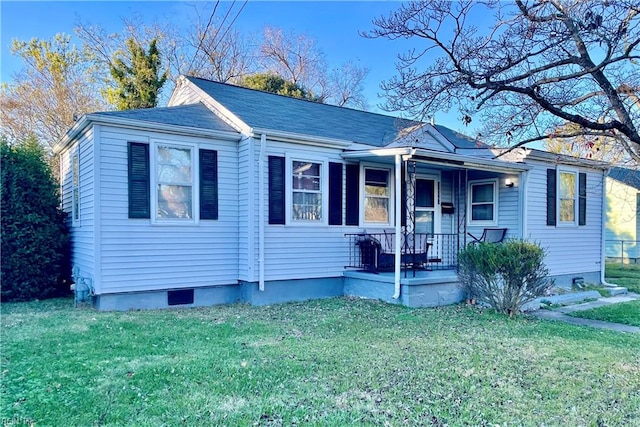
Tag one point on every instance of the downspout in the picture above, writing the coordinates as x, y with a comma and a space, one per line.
398, 227
603, 219
263, 143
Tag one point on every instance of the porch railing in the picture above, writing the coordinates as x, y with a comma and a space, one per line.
375, 252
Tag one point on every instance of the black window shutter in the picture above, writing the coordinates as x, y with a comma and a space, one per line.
208, 184
139, 172
551, 197
582, 199
352, 195
276, 190
335, 193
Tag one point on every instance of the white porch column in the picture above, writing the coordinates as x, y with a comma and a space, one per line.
398, 228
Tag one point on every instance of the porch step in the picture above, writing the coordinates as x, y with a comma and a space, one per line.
616, 290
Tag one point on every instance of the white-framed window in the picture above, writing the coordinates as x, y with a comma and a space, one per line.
377, 191
567, 197
173, 188
75, 188
306, 191
482, 205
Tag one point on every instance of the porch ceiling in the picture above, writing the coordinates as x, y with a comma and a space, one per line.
442, 159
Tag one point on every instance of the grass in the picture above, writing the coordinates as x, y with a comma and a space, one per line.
627, 275
627, 313
331, 362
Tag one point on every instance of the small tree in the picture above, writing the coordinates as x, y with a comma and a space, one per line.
137, 77
35, 238
276, 84
505, 276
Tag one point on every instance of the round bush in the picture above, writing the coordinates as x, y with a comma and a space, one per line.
505, 275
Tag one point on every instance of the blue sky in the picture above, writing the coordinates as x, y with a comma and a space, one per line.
333, 24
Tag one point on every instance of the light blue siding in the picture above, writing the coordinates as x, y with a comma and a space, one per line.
82, 232
570, 250
139, 256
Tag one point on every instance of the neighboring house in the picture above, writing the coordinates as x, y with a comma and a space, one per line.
622, 207
232, 194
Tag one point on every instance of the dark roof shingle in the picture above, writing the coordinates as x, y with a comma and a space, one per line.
193, 115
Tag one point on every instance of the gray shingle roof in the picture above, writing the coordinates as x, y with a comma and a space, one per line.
459, 140
193, 115
630, 177
265, 110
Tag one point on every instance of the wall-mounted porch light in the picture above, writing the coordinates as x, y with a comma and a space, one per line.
509, 182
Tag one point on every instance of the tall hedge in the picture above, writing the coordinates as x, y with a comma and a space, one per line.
35, 237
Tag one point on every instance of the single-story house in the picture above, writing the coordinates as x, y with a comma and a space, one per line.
622, 232
231, 194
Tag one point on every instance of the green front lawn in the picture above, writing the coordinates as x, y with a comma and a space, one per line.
627, 275
627, 313
333, 362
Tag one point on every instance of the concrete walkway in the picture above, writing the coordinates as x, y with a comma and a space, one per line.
560, 313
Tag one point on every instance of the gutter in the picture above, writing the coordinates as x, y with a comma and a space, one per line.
440, 158
87, 119
301, 138
603, 231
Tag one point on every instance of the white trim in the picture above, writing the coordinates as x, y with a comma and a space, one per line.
439, 158
261, 212
470, 184
324, 189
251, 206
75, 186
576, 199
390, 209
96, 118
195, 183
301, 139
97, 211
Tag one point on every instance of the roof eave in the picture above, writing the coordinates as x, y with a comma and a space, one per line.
87, 119
440, 158
300, 138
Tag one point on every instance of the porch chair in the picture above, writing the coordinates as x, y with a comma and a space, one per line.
490, 235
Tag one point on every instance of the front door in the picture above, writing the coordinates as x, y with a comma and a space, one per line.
427, 206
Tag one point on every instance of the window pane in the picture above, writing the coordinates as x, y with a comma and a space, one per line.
174, 201
376, 209
424, 222
376, 177
567, 185
482, 193
306, 168
174, 165
567, 210
307, 206
424, 193
306, 183
482, 212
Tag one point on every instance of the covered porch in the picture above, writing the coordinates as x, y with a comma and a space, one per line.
420, 214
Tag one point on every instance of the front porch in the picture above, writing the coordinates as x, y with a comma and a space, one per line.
422, 289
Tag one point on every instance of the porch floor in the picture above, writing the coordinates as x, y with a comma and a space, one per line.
426, 289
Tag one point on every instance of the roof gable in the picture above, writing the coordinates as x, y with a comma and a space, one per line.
267, 111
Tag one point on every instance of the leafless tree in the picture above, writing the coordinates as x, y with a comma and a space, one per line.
297, 58
218, 51
347, 85
534, 66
